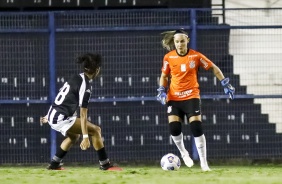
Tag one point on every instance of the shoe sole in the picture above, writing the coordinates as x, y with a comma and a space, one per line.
189, 165
206, 170
57, 169
114, 169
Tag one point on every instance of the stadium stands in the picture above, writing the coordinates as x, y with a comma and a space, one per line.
132, 130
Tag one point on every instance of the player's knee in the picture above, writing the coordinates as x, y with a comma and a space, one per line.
175, 128
98, 129
196, 128
94, 130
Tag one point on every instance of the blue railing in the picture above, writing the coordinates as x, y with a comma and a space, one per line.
53, 23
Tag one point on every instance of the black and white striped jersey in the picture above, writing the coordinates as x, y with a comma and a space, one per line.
76, 92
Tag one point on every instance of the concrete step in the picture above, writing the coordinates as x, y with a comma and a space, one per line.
257, 79
264, 90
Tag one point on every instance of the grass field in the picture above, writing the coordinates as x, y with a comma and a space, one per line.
261, 174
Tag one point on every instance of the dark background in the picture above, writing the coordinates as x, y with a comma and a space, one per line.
32, 5
234, 129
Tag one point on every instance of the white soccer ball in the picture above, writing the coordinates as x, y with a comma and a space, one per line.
170, 162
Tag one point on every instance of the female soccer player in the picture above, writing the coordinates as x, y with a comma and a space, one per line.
180, 66
62, 116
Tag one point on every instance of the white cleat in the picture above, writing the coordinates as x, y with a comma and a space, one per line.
205, 168
187, 160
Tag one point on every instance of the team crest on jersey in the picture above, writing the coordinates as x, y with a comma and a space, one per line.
169, 109
192, 64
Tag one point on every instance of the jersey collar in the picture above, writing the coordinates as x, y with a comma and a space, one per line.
184, 54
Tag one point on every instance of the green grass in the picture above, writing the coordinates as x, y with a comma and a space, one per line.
261, 174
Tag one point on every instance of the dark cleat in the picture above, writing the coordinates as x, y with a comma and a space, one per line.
110, 167
55, 166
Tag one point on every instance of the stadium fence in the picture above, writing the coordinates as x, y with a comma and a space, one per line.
38, 51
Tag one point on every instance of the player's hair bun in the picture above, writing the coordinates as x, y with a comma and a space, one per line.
91, 62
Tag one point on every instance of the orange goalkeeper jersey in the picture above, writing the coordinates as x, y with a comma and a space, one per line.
183, 72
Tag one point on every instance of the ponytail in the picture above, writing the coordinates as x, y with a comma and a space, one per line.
167, 41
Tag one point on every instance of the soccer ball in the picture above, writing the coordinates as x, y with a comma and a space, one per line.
170, 162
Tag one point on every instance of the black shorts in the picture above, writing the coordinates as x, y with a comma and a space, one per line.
191, 107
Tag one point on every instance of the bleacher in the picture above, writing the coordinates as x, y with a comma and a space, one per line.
132, 58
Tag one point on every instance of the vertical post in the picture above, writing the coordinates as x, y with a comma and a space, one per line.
52, 76
193, 22
193, 45
223, 11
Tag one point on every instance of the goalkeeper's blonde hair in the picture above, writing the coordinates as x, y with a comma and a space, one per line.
167, 41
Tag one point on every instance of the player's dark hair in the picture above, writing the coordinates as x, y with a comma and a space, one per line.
91, 62
181, 31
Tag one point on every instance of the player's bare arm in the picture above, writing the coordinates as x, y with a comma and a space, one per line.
85, 143
163, 80
217, 72
228, 88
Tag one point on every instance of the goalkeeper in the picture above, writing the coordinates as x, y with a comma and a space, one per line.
182, 95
